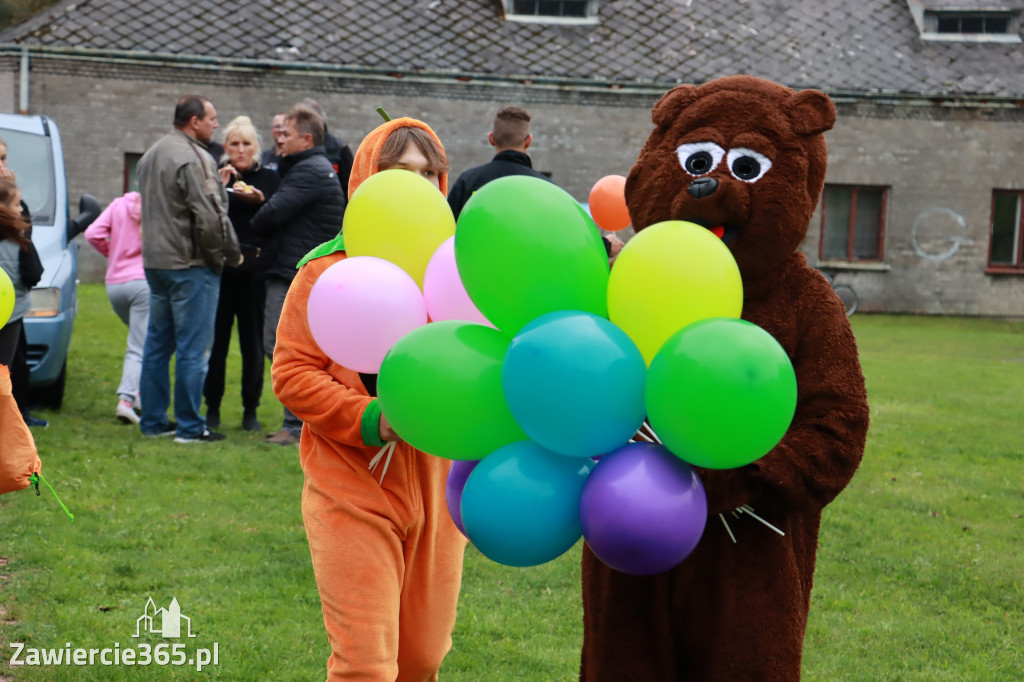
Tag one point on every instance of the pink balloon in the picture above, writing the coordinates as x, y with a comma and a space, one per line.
443, 290
359, 307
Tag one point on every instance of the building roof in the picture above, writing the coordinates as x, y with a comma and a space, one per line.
867, 46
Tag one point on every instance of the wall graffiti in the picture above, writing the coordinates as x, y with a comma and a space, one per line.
938, 233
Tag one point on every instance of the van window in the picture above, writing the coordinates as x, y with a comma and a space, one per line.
31, 158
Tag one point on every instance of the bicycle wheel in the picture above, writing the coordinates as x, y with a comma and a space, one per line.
848, 296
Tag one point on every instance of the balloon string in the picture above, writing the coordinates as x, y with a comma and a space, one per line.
748, 510
727, 528
389, 450
38, 476
649, 432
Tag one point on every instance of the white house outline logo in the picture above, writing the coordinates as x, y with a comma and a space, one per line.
170, 620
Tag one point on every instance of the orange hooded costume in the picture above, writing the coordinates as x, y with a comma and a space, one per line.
18, 456
386, 555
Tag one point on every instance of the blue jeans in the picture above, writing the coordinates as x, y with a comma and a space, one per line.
182, 310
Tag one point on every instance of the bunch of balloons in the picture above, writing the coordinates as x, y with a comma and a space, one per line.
400, 272
541, 366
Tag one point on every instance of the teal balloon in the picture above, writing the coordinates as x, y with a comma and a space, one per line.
440, 389
524, 248
520, 505
721, 393
575, 383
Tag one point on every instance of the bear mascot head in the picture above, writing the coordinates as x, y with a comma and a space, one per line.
741, 156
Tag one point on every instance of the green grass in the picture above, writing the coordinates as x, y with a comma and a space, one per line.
919, 574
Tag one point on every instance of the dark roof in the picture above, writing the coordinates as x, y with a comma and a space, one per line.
856, 46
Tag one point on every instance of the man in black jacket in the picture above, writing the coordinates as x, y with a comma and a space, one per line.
338, 151
511, 137
306, 211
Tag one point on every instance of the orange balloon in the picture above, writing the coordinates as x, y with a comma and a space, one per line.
608, 203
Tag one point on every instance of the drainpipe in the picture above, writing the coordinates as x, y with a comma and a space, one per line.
23, 82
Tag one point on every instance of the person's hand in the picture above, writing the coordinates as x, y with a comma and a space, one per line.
6, 174
255, 196
386, 432
227, 174
616, 245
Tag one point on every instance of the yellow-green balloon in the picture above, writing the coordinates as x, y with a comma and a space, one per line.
6, 297
669, 275
399, 216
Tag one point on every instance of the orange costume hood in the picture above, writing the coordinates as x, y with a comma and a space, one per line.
365, 163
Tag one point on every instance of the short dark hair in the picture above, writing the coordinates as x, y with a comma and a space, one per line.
187, 107
307, 122
511, 126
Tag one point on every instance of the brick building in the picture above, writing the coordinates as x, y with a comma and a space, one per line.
922, 212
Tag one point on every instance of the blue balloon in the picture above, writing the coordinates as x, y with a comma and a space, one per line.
574, 383
520, 505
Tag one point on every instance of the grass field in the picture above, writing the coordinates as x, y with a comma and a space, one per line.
919, 574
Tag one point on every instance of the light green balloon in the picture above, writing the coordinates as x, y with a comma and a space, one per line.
525, 248
6, 297
440, 389
721, 393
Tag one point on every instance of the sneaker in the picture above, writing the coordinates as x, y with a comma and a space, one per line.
207, 436
250, 422
35, 421
282, 437
213, 417
167, 430
125, 414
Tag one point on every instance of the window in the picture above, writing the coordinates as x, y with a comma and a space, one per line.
552, 11
31, 158
852, 223
948, 22
1006, 240
994, 25
131, 173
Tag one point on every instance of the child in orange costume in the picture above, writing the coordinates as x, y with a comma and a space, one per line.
386, 554
18, 456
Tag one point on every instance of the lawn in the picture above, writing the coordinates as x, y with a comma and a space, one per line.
918, 577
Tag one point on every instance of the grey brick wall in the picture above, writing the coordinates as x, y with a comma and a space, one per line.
940, 162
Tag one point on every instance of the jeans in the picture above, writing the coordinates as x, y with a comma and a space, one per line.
277, 289
130, 300
182, 307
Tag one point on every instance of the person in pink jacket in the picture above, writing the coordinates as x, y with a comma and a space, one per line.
117, 234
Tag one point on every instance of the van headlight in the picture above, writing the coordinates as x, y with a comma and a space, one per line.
44, 302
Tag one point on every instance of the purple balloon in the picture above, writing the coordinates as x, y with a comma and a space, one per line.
643, 509
457, 476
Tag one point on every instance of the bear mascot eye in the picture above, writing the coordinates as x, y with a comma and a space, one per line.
747, 165
699, 158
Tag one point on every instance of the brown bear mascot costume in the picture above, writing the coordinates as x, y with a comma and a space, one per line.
746, 159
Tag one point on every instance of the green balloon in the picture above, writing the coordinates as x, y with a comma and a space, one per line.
524, 248
721, 393
440, 389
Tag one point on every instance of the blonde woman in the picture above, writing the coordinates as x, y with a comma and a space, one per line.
241, 292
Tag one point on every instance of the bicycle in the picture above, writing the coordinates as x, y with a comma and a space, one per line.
845, 292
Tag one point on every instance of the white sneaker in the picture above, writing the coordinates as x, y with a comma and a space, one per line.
125, 414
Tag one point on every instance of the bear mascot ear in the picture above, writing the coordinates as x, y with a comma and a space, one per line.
671, 104
811, 112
